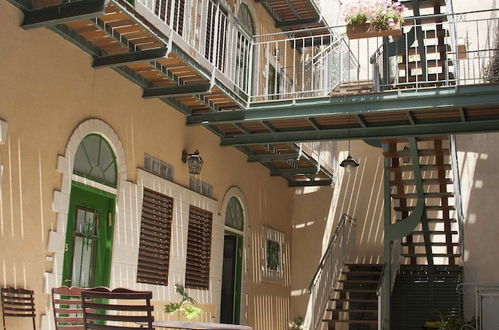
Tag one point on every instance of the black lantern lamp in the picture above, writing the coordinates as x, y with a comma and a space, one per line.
349, 163
406, 158
194, 161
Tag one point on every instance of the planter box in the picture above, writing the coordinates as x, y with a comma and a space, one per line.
360, 31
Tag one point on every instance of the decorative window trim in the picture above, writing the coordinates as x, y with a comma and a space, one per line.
276, 236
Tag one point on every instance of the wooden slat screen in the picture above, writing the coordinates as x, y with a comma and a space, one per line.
155, 238
197, 272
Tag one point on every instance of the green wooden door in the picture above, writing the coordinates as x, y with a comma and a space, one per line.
89, 237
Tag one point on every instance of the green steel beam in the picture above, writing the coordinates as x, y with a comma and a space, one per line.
63, 13
411, 100
128, 58
176, 91
311, 183
298, 22
293, 171
383, 132
272, 157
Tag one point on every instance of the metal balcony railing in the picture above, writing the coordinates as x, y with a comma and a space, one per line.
436, 50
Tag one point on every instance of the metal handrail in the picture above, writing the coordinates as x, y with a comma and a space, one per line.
457, 192
344, 218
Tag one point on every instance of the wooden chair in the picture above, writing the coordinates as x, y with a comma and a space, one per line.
17, 303
68, 308
117, 309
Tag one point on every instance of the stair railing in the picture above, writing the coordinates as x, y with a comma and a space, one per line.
457, 193
395, 267
341, 248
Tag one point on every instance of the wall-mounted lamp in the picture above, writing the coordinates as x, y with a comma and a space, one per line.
194, 161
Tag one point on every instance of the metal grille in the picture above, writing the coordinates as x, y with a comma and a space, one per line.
155, 238
197, 272
422, 292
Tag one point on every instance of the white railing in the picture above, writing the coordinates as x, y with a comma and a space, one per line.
207, 32
341, 249
301, 67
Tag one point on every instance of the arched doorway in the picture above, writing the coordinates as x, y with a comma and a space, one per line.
232, 269
90, 224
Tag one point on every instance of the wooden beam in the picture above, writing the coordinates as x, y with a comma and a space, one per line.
63, 13
128, 58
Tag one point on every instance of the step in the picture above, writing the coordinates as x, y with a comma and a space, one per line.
352, 310
424, 167
430, 49
428, 208
426, 195
432, 244
410, 182
355, 300
361, 272
441, 220
424, 3
421, 153
352, 321
435, 232
429, 78
356, 290
437, 255
425, 19
429, 64
358, 281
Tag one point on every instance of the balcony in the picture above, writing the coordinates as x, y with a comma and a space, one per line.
264, 93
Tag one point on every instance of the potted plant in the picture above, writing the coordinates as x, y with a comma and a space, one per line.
185, 305
373, 18
297, 324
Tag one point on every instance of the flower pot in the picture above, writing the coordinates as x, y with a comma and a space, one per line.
359, 31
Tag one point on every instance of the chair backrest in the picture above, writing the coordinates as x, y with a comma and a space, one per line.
68, 308
17, 303
117, 309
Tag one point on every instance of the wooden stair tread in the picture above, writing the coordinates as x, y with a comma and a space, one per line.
356, 290
438, 255
428, 208
429, 64
426, 195
423, 167
425, 181
355, 300
352, 321
426, 79
424, 3
358, 281
440, 220
352, 310
421, 152
361, 272
425, 19
432, 244
435, 232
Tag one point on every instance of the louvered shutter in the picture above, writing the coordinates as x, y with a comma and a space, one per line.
197, 272
155, 238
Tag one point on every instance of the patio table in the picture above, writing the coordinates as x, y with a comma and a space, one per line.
198, 325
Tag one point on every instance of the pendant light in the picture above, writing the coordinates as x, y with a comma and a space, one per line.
349, 163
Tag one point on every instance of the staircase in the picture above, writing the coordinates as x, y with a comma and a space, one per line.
441, 246
426, 60
354, 304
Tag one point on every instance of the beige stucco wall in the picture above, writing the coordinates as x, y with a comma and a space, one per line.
478, 161
48, 88
317, 210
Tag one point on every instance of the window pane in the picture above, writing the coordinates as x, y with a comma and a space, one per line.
273, 253
234, 214
95, 160
82, 262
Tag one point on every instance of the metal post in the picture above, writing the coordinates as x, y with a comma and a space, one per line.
387, 279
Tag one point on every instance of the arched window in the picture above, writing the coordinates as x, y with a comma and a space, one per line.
95, 160
234, 217
244, 37
245, 19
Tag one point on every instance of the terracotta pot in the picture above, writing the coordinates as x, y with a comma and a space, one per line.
360, 31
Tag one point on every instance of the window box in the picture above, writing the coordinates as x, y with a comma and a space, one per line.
359, 31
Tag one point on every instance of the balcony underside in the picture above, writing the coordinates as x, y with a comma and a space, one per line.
119, 38
432, 111
290, 15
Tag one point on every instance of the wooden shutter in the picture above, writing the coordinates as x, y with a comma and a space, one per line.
197, 272
155, 238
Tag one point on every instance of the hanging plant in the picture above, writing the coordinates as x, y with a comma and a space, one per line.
373, 18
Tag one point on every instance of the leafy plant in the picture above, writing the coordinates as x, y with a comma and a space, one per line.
186, 304
297, 323
382, 14
449, 323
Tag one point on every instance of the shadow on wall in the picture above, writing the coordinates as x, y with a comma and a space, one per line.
317, 210
478, 161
